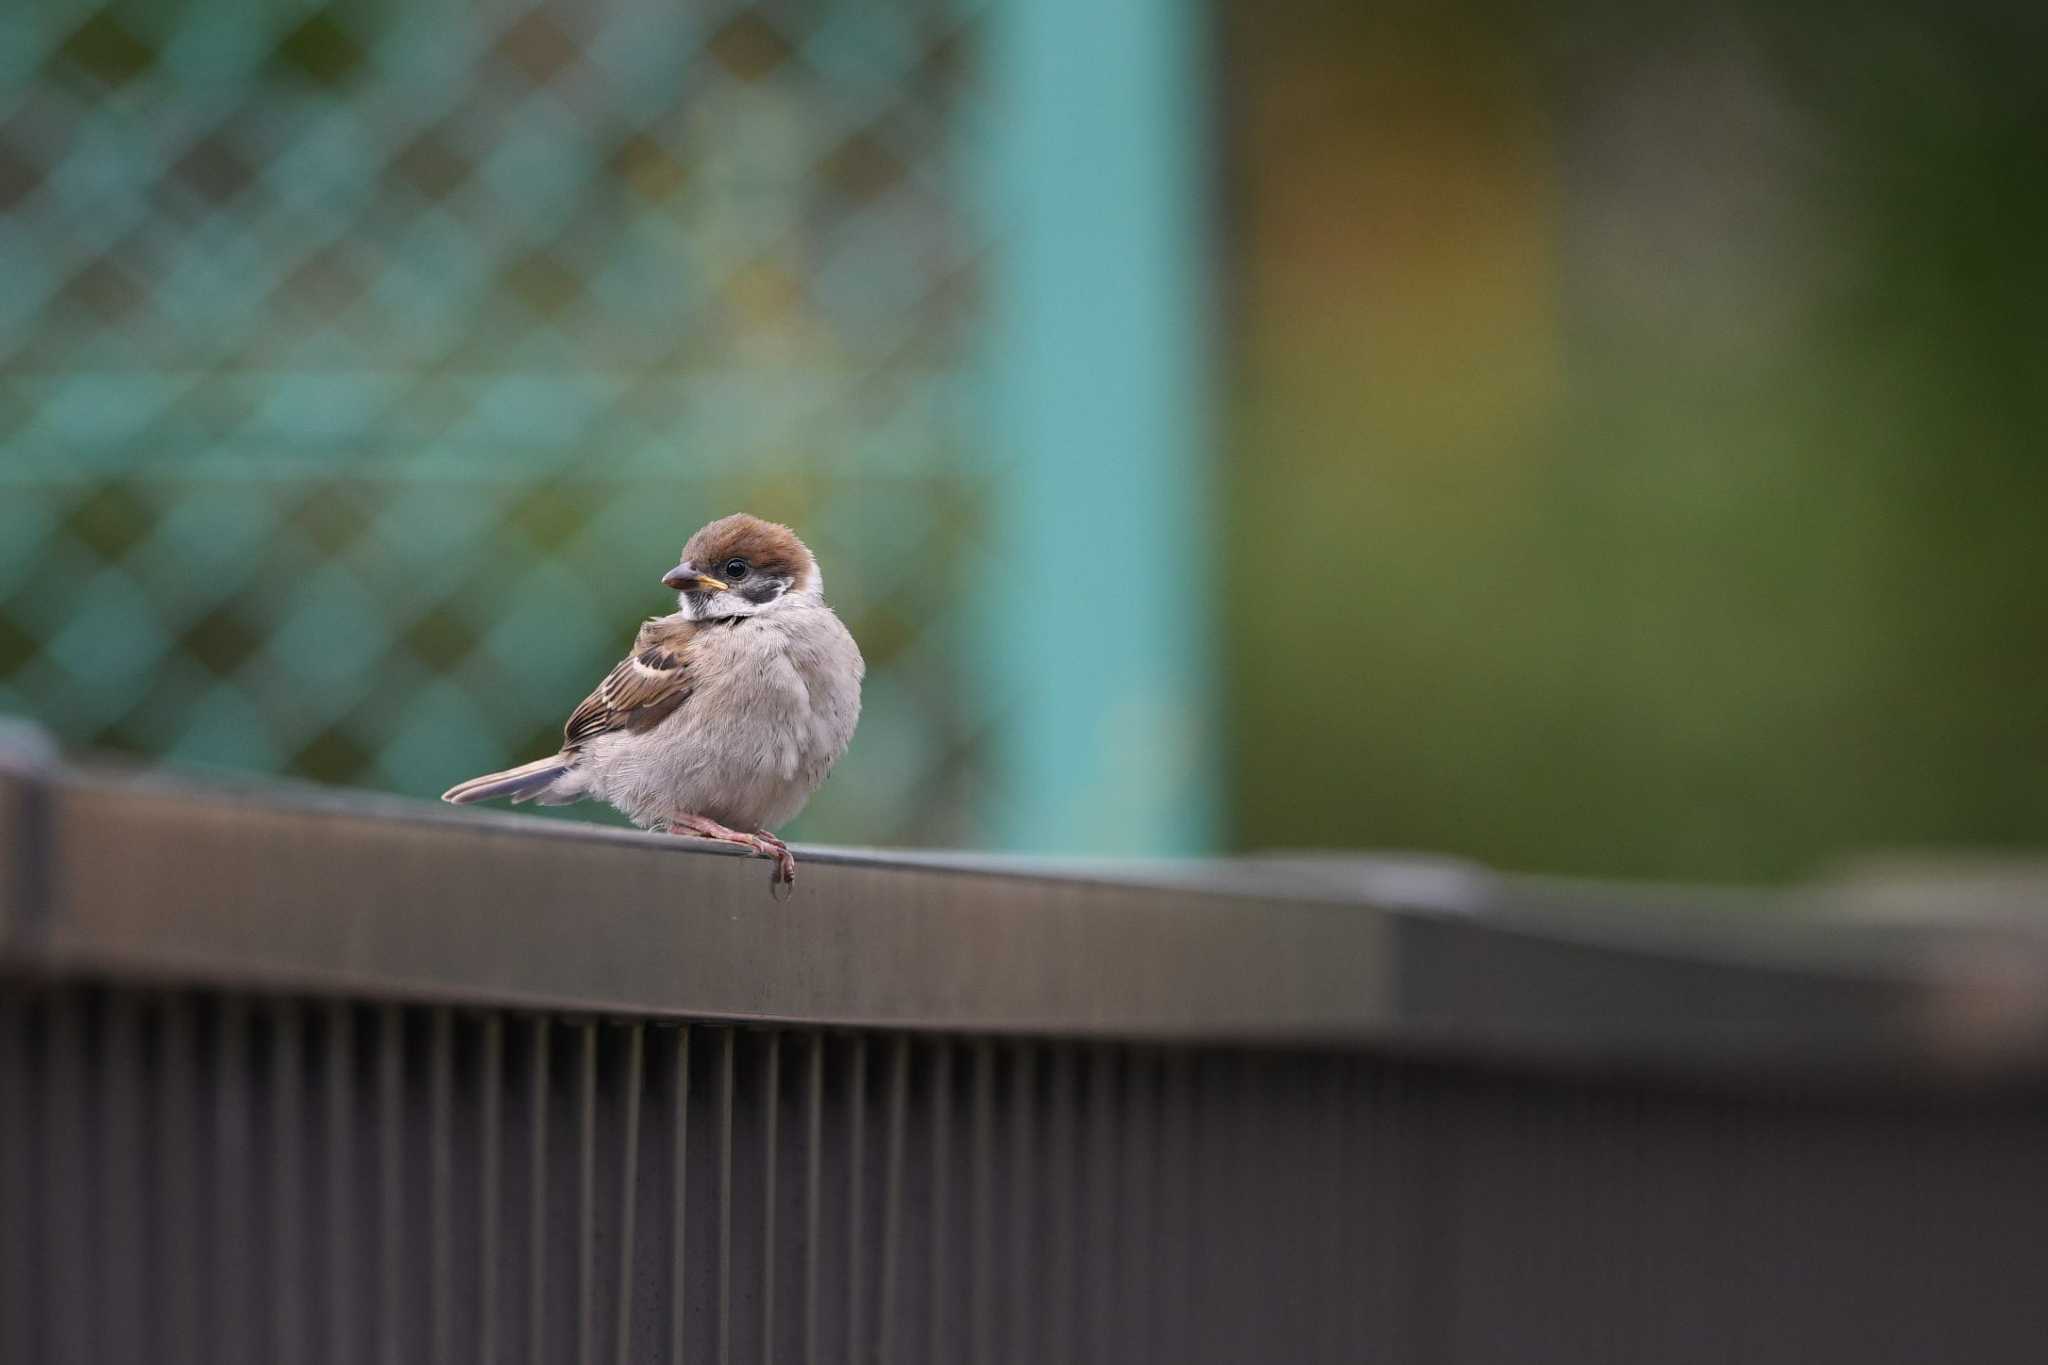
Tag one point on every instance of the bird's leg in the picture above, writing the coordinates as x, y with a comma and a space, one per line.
762, 844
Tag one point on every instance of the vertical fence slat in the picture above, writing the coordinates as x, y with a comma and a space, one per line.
1336, 1255
286, 1266
1060, 1199
229, 1329
892, 1198
1177, 1207
586, 1193
1133, 1302
727, 1043
68, 1182
339, 1075
537, 1194
390, 1183
1104, 1196
771, 1097
18, 1230
629, 1194
856, 1189
490, 1080
124, 1216
679, 1196
441, 1184
941, 1226
1023, 1206
981, 1211
1361, 1244
814, 1141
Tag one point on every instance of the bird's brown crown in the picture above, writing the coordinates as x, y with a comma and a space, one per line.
768, 547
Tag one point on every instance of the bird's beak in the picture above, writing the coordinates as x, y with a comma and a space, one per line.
683, 576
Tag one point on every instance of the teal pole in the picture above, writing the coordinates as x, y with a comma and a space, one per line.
1105, 584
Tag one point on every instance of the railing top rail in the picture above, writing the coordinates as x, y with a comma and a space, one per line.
271, 886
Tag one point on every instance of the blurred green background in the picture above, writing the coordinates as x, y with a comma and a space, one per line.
1639, 461
1621, 450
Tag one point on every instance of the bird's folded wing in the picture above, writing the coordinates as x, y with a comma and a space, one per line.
646, 687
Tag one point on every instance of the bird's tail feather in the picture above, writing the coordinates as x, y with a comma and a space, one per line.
522, 783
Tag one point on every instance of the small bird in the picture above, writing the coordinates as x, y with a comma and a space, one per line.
726, 716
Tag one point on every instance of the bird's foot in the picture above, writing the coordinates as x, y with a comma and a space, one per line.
762, 844
784, 882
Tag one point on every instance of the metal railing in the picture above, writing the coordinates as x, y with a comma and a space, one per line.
292, 1076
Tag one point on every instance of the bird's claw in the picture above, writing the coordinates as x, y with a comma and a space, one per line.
782, 882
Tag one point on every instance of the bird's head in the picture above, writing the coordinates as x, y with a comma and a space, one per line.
743, 566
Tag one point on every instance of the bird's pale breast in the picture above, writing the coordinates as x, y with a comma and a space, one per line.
773, 704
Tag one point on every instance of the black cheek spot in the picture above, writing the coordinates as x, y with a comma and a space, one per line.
761, 594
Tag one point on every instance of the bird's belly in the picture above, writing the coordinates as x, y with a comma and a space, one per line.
750, 760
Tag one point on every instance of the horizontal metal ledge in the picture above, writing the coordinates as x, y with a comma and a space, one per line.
279, 887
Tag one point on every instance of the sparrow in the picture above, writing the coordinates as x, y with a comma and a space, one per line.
726, 716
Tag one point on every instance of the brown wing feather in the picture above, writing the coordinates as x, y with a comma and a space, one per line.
646, 686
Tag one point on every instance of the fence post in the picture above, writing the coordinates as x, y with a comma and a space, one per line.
1099, 631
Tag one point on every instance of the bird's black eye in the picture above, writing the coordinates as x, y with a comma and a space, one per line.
735, 570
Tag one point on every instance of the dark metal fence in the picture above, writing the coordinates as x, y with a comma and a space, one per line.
290, 1078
